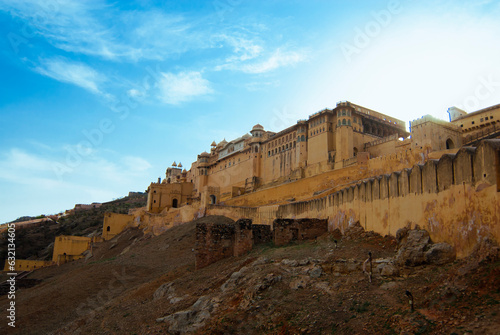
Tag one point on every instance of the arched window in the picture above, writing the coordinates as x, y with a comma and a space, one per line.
108, 228
344, 122
343, 112
348, 122
302, 138
339, 123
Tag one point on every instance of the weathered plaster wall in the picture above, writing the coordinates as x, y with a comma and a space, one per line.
455, 198
115, 223
68, 248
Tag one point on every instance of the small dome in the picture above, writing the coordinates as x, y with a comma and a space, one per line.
204, 154
180, 165
213, 144
174, 164
258, 127
184, 171
221, 143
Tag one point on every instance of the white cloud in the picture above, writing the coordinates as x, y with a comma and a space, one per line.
182, 87
279, 58
71, 72
136, 163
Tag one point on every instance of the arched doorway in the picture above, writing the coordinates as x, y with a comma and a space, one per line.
174, 203
355, 151
108, 228
449, 144
213, 199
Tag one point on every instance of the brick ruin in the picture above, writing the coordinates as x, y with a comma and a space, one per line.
217, 240
291, 230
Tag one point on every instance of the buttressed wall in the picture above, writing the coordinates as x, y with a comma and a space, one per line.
455, 198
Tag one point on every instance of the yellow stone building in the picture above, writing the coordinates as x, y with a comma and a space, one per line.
115, 223
329, 140
69, 248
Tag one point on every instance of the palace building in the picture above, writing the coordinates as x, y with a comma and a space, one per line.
331, 139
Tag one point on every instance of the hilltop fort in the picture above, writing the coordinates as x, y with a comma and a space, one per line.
344, 165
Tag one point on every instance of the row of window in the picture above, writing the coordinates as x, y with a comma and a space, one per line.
318, 121
490, 118
279, 141
282, 149
343, 112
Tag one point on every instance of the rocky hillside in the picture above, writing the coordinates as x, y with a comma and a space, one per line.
35, 241
140, 284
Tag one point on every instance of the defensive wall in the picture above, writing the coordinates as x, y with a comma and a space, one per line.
455, 198
305, 188
26, 265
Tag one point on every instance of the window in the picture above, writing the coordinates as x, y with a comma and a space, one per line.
343, 112
339, 122
344, 122
302, 138
481, 120
472, 122
354, 120
348, 122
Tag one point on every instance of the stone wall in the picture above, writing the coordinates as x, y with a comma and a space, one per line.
455, 198
290, 230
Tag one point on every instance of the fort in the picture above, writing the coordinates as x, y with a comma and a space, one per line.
341, 166
344, 165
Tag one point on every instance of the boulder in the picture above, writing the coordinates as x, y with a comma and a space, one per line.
440, 253
316, 272
413, 247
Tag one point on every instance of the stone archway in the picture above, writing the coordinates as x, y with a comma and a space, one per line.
450, 144
175, 203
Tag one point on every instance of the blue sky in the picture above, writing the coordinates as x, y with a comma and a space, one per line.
98, 98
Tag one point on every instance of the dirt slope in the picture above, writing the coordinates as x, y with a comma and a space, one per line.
311, 288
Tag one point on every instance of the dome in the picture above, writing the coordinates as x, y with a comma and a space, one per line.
180, 165
257, 127
222, 143
204, 154
174, 164
213, 144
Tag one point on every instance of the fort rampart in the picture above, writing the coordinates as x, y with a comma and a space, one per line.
455, 198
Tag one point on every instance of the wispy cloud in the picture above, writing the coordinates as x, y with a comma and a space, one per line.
71, 72
184, 86
277, 59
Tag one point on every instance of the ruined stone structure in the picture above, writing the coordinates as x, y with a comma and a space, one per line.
295, 230
216, 241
